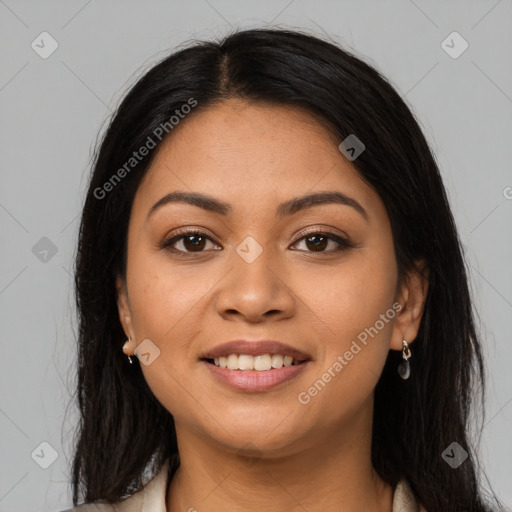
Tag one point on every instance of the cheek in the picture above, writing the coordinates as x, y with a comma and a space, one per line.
356, 315
353, 295
166, 307
353, 308
166, 302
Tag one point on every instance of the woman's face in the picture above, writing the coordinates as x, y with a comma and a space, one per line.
259, 270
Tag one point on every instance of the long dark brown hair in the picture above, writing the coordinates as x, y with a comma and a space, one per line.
124, 434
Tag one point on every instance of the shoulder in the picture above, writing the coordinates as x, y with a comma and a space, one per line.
151, 497
92, 507
132, 504
404, 499
95, 507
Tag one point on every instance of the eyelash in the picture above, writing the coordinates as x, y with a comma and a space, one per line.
343, 242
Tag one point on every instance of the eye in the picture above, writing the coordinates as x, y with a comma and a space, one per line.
195, 241
318, 241
191, 241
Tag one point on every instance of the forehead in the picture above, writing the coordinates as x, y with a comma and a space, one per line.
251, 152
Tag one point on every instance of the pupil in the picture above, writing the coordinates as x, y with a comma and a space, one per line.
316, 243
197, 244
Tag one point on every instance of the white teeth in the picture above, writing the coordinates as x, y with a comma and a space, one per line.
245, 362
232, 362
259, 363
262, 363
277, 361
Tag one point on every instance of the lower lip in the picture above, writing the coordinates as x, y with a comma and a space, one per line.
253, 380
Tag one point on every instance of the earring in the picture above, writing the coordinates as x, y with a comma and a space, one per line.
404, 369
124, 350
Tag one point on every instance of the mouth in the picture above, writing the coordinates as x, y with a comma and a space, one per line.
254, 352
254, 373
259, 363
254, 365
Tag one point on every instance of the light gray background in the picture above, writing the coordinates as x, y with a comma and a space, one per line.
52, 110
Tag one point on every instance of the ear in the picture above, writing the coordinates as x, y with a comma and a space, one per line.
411, 296
123, 307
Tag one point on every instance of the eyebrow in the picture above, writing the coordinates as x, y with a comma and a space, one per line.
287, 208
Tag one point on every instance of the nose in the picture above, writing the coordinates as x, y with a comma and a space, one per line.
256, 291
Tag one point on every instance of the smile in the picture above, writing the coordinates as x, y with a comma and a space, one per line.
254, 373
264, 362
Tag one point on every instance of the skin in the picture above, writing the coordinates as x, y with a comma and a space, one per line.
313, 456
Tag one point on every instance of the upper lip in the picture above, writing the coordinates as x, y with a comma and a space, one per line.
255, 348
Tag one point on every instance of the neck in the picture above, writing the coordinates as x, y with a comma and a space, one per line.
326, 472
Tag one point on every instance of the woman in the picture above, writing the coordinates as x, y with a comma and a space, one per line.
273, 302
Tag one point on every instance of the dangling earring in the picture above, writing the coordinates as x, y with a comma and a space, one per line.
404, 369
124, 350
